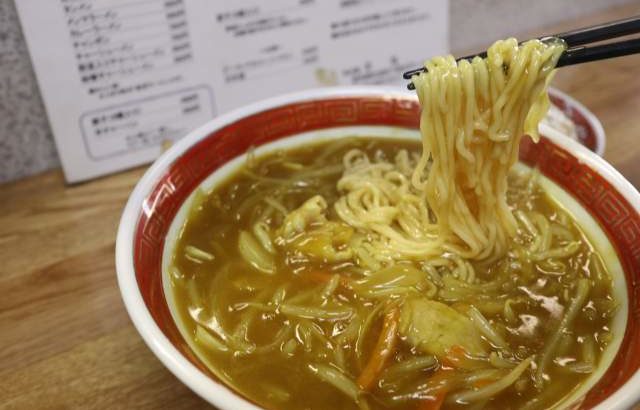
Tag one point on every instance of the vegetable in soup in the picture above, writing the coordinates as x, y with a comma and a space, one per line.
294, 307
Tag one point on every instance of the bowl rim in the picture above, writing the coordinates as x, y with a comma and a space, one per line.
595, 123
217, 393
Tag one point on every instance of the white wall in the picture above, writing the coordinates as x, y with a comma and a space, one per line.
480, 22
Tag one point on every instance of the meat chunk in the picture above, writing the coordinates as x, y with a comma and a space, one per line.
311, 212
434, 328
307, 231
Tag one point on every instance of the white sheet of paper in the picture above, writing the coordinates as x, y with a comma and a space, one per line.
121, 78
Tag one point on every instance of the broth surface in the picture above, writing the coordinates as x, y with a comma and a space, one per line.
277, 336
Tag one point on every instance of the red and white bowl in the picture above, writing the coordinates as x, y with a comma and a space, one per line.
602, 195
588, 128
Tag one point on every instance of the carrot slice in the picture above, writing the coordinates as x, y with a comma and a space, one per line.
440, 389
455, 357
385, 346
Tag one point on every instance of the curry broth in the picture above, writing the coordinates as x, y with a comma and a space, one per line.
217, 290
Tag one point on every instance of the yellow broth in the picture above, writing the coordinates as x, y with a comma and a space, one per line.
274, 347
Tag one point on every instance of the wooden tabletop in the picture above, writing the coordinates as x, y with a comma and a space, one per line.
65, 338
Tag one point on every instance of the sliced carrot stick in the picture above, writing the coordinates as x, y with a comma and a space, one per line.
455, 356
440, 389
385, 346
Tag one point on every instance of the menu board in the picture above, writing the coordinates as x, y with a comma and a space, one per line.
121, 79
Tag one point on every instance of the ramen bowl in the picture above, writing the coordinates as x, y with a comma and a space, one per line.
588, 129
606, 206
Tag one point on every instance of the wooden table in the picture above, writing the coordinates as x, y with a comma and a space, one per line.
65, 338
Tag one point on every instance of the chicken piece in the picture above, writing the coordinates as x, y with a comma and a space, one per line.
312, 211
435, 328
306, 230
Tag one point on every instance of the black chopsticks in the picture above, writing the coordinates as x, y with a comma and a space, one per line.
575, 40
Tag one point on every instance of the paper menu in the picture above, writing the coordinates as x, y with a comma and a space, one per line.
120, 78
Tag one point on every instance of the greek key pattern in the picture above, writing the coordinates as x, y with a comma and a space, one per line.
622, 225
